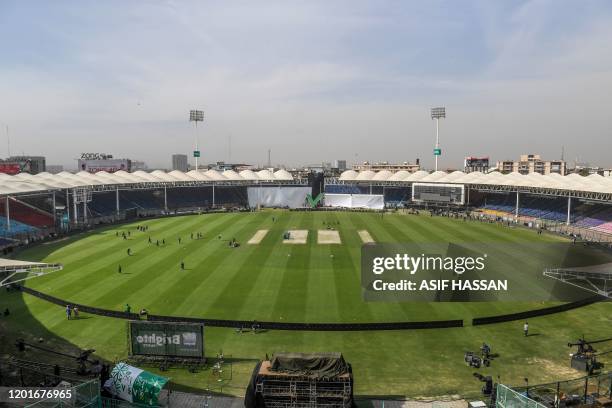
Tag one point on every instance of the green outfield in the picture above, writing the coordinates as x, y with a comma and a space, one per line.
268, 280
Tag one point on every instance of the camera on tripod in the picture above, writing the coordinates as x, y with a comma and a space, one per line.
476, 361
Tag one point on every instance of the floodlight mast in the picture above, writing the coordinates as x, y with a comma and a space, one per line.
196, 116
437, 114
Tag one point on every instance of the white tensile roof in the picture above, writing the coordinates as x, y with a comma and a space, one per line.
249, 175
282, 174
399, 176
24, 182
573, 182
232, 175
349, 175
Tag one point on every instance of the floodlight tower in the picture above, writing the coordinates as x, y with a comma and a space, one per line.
437, 114
196, 116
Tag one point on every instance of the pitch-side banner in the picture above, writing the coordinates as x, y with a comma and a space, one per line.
291, 197
166, 339
494, 271
370, 201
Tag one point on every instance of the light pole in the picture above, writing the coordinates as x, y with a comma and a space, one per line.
196, 116
437, 114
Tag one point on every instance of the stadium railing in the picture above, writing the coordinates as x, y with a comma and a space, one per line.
247, 324
82, 308
478, 321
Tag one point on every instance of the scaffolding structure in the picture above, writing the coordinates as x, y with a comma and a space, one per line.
598, 282
12, 271
285, 390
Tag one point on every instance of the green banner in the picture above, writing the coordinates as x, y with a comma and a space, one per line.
167, 339
314, 201
135, 385
196, 153
437, 152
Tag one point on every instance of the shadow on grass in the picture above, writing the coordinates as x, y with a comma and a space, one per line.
21, 324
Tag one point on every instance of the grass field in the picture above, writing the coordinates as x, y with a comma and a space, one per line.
303, 282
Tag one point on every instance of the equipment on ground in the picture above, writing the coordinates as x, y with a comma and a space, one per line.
585, 357
473, 360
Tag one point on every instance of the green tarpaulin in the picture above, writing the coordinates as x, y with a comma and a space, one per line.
319, 365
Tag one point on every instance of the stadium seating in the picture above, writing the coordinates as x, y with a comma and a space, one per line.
605, 228
103, 203
592, 215
597, 217
553, 208
342, 189
6, 242
499, 202
17, 228
27, 214
196, 197
234, 196
143, 199
395, 197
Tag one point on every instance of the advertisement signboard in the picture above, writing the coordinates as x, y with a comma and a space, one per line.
107, 165
10, 168
166, 339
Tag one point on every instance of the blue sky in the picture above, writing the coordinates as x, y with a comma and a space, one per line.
313, 81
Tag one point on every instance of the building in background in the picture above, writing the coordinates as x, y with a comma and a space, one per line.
95, 162
138, 165
532, 163
340, 165
180, 162
237, 167
471, 164
388, 166
23, 164
54, 168
586, 169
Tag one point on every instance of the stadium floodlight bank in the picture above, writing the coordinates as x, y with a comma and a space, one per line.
196, 116
437, 114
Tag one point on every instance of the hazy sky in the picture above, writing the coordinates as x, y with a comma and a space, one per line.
313, 81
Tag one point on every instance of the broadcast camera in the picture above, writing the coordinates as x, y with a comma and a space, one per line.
476, 361
472, 359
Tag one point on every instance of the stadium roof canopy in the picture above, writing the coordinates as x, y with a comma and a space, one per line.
552, 183
573, 182
25, 182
